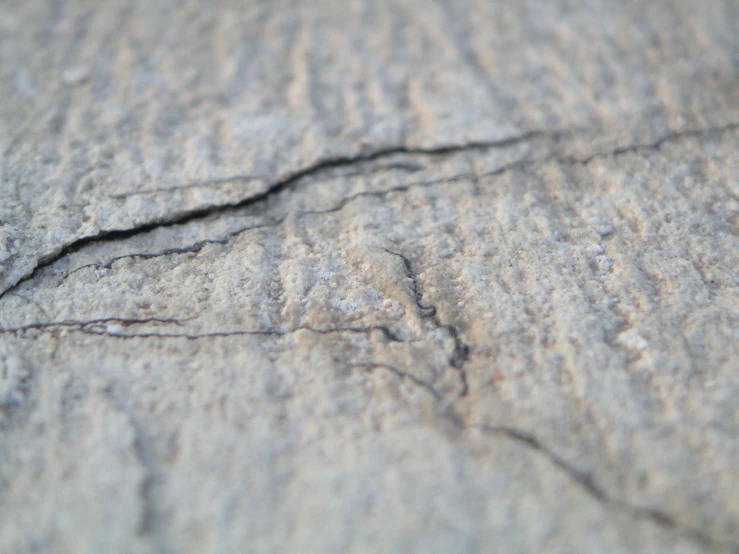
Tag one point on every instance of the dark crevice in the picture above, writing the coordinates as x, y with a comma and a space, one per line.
98, 327
583, 479
177, 188
586, 481
461, 350
657, 144
195, 247
79, 324
406, 167
370, 366
188, 216
198, 246
342, 162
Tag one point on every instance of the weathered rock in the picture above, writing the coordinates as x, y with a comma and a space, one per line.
361, 277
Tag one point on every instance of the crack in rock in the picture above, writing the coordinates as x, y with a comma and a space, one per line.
195, 247
398, 166
586, 481
531, 442
114, 326
81, 324
371, 366
115, 235
657, 144
461, 351
186, 216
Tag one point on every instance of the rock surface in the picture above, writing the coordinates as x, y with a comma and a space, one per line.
369, 277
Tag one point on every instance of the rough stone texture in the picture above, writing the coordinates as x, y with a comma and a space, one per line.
369, 277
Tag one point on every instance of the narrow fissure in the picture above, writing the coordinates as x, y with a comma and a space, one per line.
461, 350
202, 213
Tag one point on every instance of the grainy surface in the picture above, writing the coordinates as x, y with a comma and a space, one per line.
369, 277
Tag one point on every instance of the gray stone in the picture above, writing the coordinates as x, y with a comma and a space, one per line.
368, 277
